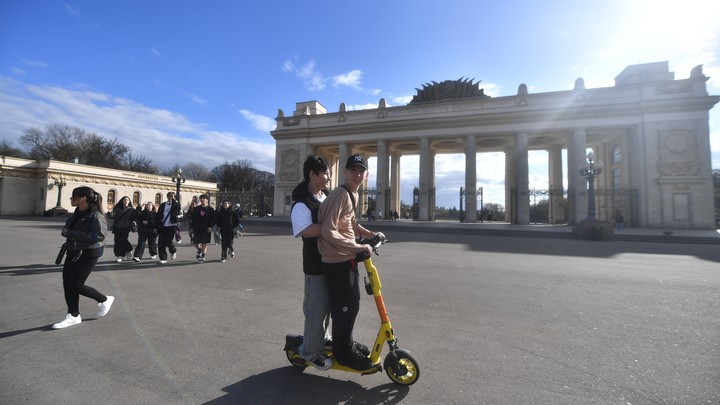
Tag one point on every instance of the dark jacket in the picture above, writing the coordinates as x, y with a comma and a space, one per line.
123, 218
202, 218
227, 220
85, 230
174, 213
151, 218
312, 261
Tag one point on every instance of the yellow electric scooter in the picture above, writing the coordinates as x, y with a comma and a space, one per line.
399, 364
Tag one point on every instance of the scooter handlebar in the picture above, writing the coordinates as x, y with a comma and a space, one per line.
374, 241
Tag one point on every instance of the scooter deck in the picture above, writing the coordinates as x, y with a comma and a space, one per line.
293, 342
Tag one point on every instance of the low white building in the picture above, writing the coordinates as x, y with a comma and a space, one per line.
31, 187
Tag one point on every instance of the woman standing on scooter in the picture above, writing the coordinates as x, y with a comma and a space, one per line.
338, 248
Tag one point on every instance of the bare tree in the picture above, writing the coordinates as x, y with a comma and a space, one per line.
141, 164
57, 142
196, 171
7, 149
238, 175
64, 143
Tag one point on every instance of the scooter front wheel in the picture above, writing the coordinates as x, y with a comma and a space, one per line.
401, 367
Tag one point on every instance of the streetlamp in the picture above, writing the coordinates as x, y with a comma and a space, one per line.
59, 183
590, 171
178, 179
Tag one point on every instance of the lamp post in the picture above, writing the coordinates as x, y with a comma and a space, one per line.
592, 170
178, 179
59, 183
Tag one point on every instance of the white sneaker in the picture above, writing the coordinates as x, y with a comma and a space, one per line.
119, 259
163, 261
223, 260
153, 256
68, 321
137, 259
322, 362
173, 256
232, 254
104, 307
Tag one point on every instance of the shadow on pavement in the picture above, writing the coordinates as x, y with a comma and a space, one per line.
290, 385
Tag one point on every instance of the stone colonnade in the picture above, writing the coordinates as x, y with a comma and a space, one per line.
650, 130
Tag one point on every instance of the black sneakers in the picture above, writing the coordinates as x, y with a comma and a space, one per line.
356, 361
359, 346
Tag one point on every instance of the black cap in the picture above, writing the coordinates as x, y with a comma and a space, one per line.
356, 160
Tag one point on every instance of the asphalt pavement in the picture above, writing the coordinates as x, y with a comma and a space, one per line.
494, 314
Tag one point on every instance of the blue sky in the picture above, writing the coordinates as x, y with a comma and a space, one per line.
189, 81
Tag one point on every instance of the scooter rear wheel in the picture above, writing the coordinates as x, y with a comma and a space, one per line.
401, 367
294, 359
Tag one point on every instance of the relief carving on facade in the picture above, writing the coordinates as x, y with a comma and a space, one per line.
677, 154
290, 165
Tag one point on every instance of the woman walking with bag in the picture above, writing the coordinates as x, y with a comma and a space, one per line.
123, 216
85, 234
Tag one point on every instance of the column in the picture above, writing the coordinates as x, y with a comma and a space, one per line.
426, 180
343, 155
522, 183
510, 178
577, 184
635, 160
556, 194
382, 182
470, 179
395, 181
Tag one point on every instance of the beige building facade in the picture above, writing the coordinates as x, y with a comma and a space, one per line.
650, 130
30, 187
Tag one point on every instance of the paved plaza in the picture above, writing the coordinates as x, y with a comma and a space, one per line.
491, 317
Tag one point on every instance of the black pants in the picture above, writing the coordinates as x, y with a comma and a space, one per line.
344, 291
151, 239
74, 276
122, 244
226, 243
166, 237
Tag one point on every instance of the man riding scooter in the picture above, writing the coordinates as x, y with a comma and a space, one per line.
338, 248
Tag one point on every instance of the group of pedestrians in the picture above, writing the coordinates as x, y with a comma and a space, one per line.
157, 228
328, 227
86, 229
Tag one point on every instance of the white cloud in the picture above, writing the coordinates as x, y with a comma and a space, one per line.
34, 63
402, 100
163, 136
154, 52
196, 99
313, 80
18, 72
350, 79
367, 106
73, 11
260, 122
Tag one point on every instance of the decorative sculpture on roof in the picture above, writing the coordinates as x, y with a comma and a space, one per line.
449, 90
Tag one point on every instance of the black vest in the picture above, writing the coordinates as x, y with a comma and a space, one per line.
312, 261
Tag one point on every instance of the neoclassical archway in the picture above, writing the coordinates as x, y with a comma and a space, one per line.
659, 124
